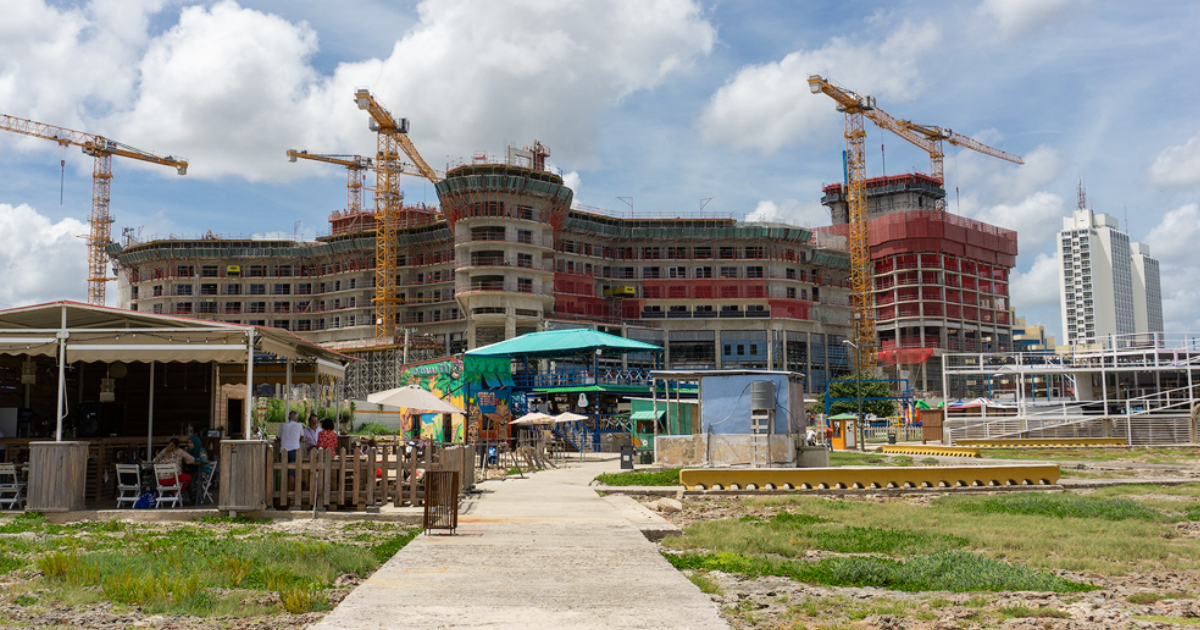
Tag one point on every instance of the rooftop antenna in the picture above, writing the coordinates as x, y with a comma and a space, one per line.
704, 202
1082, 196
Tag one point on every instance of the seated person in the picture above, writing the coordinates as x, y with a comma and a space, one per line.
327, 438
203, 464
173, 454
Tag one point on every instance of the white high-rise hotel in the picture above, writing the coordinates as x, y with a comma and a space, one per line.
1108, 285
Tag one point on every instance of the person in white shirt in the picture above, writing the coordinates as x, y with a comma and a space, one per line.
312, 432
289, 442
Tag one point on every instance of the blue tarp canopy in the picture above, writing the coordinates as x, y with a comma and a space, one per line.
561, 343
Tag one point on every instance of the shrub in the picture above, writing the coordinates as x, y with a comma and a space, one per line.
236, 569
56, 565
373, 428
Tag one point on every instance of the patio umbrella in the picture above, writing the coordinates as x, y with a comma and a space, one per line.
567, 416
534, 417
413, 397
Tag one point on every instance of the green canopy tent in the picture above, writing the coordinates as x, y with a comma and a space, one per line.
562, 343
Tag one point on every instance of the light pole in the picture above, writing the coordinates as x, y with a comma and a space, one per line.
862, 433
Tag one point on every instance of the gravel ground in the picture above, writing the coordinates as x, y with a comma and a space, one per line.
779, 603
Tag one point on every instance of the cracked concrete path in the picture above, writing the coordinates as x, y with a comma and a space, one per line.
541, 552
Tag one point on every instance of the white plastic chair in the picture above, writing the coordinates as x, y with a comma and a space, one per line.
129, 483
169, 485
205, 494
12, 490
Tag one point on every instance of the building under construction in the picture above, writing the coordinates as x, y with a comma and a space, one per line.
506, 253
940, 280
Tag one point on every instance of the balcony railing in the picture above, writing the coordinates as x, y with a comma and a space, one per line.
510, 286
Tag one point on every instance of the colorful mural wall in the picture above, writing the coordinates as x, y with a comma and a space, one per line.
480, 385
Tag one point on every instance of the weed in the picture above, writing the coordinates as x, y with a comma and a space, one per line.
235, 569
1150, 597
297, 601
788, 519
56, 565
1056, 505
938, 602
704, 583
1182, 621
665, 477
25, 599
275, 579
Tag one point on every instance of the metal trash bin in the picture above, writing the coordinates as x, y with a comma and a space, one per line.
627, 457
891, 437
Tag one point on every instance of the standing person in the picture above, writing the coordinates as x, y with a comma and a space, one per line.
289, 442
312, 432
829, 436
328, 438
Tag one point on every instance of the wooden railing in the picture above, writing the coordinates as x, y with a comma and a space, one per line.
351, 480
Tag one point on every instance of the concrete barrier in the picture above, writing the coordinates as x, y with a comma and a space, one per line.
920, 449
1043, 443
867, 477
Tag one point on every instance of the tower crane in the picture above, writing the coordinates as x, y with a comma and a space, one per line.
392, 138
927, 138
103, 150
936, 136
356, 167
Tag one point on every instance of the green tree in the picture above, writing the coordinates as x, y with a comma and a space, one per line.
844, 387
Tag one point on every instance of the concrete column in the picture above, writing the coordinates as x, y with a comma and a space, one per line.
808, 360
720, 349
510, 326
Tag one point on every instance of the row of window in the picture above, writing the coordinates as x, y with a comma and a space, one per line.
653, 273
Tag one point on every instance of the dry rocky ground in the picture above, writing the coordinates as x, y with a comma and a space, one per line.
771, 602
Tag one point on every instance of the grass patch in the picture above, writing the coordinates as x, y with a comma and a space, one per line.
1041, 612
1092, 545
185, 569
665, 477
1056, 505
385, 550
1182, 621
1150, 597
706, 584
956, 571
790, 535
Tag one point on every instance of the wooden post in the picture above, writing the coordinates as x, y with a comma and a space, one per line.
57, 476
243, 475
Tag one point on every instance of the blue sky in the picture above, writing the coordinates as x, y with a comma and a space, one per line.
669, 102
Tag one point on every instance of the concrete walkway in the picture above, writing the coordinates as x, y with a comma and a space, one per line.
541, 552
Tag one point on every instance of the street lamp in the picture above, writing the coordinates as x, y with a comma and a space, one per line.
862, 446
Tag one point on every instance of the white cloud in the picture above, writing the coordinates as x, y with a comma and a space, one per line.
1036, 218
769, 106
1038, 287
1017, 17
1177, 165
232, 88
571, 180
42, 261
1173, 243
791, 211
1174, 239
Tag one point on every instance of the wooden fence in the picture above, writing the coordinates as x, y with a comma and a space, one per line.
352, 480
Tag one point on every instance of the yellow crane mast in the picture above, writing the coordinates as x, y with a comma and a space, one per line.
392, 138
103, 150
861, 276
924, 137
